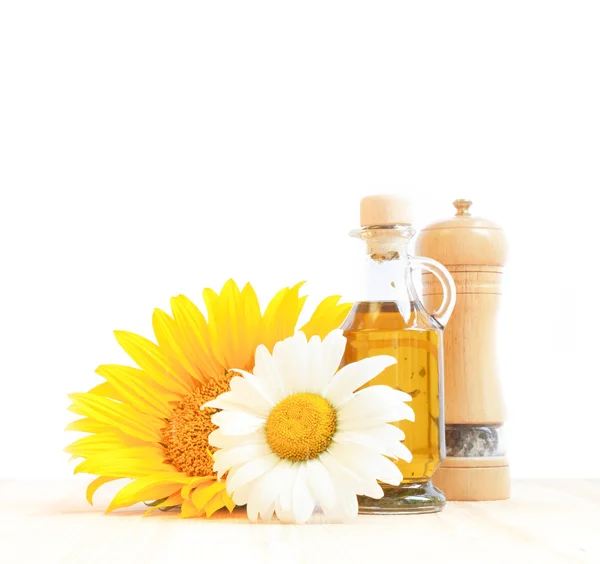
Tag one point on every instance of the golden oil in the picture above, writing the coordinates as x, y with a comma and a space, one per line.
375, 328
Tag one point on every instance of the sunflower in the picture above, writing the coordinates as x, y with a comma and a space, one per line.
146, 424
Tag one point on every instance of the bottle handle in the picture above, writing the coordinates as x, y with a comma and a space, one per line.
448, 286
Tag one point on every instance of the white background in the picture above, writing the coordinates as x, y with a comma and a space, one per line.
152, 148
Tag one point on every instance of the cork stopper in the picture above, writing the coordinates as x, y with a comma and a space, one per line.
385, 210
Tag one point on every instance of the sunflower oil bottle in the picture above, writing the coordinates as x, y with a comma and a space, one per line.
390, 319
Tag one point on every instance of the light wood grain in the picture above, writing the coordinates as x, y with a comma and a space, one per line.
472, 483
473, 393
49, 522
464, 239
385, 209
475, 462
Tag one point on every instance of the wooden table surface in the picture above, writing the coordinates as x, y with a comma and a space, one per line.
545, 521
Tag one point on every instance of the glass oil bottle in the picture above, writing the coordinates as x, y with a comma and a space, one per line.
390, 319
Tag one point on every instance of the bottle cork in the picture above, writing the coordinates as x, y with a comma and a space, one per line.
385, 210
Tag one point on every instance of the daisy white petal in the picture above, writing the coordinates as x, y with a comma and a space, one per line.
252, 505
228, 458
267, 514
284, 504
372, 489
345, 510
316, 378
403, 395
387, 471
218, 439
347, 486
333, 347
241, 495
383, 438
356, 482
284, 365
265, 491
320, 483
231, 401
303, 503
237, 422
266, 371
248, 391
250, 471
399, 450
291, 358
299, 356
278, 477
361, 461
374, 404
380, 435
224, 401
354, 375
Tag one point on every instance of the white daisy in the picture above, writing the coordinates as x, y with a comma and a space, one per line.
295, 434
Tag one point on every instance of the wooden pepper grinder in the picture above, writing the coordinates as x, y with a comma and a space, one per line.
474, 251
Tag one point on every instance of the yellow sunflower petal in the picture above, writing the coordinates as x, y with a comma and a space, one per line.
228, 501
226, 323
149, 488
186, 491
95, 484
323, 310
124, 417
301, 302
131, 462
188, 509
76, 409
152, 360
170, 341
203, 494
105, 389
215, 315
282, 321
88, 425
231, 323
194, 331
101, 442
342, 312
327, 316
135, 387
215, 503
273, 306
253, 320
247, 319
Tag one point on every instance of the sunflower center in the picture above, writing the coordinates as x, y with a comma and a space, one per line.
301, 426
185, 438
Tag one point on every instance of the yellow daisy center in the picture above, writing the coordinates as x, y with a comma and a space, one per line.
185, 438
301, 426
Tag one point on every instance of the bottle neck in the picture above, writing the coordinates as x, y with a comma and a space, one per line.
386, 270
386, 281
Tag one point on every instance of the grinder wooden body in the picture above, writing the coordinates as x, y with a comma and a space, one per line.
474, 251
